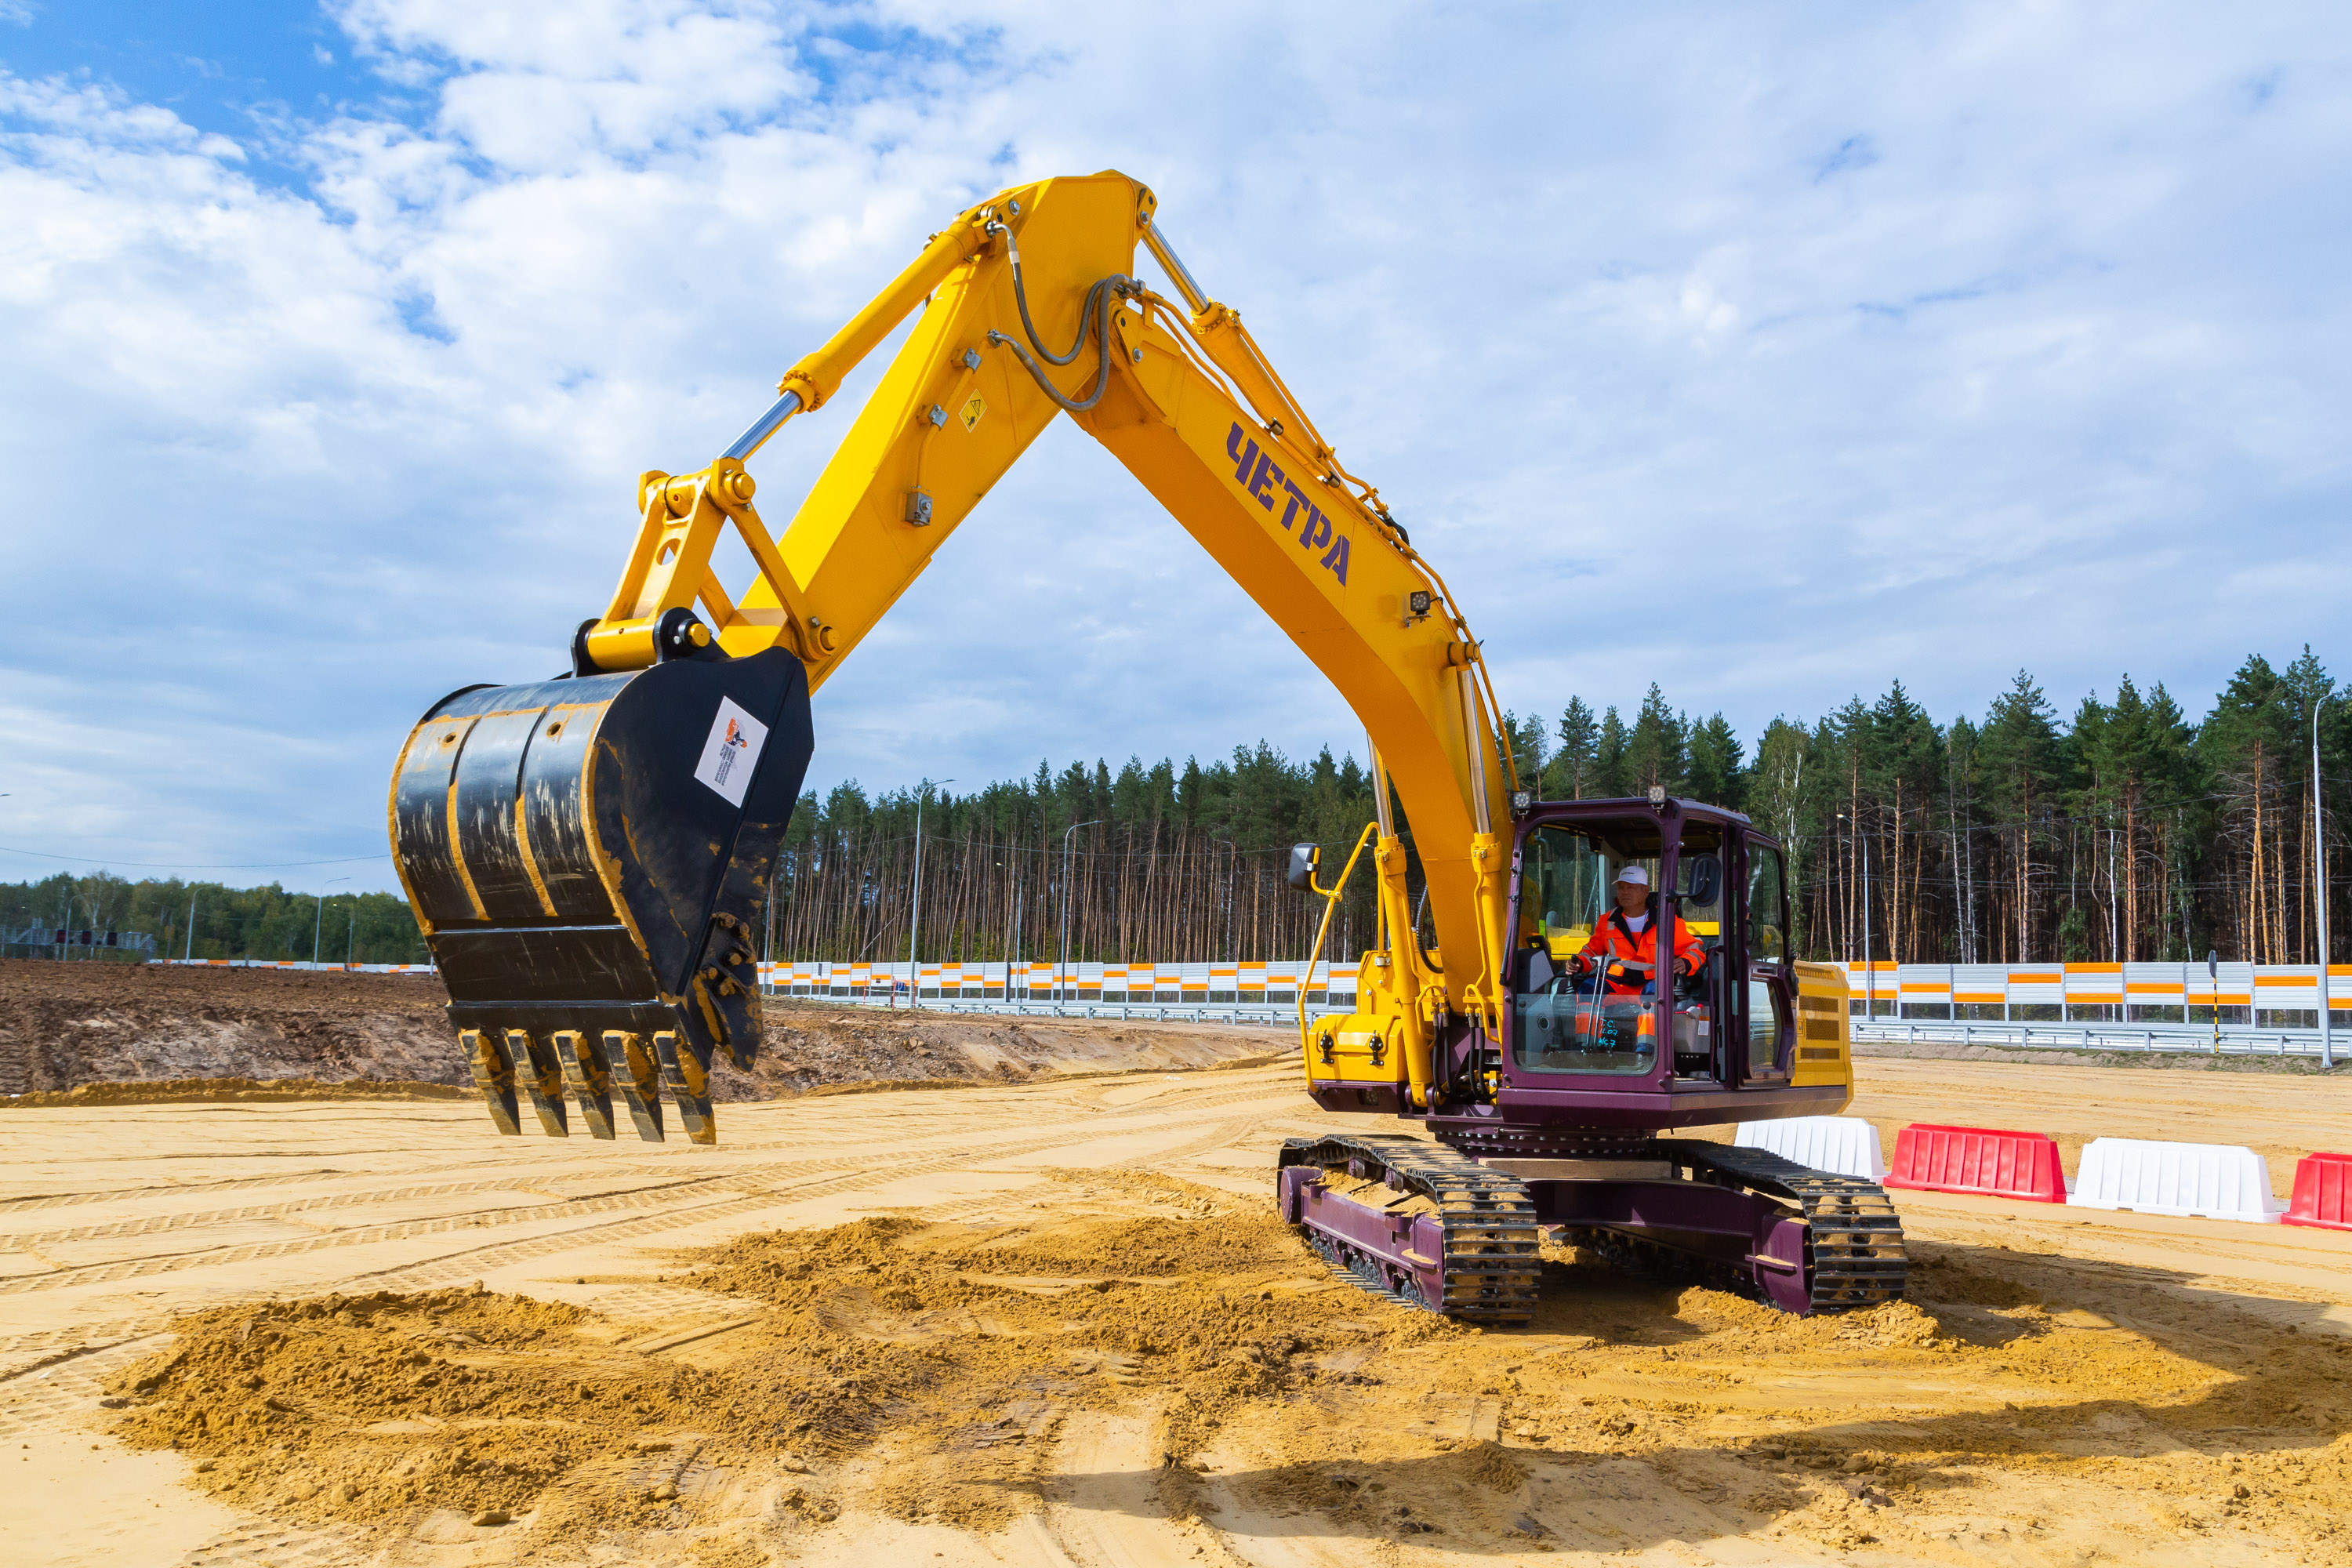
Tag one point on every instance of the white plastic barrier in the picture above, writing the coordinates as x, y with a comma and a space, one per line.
2206, 1180
1842, 1146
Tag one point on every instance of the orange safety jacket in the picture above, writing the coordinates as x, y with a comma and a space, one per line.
1614, 938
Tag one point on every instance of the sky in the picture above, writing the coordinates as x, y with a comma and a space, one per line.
1768, 353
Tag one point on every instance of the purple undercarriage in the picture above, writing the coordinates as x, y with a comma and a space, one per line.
1745, 1231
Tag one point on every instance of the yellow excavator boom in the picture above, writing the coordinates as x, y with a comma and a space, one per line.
1025, 307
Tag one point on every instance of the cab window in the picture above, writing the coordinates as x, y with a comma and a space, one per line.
1565, 885
1768, 940
1565, 1021
1768, 1026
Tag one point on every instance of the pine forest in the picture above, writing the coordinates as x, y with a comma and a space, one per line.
2123, 831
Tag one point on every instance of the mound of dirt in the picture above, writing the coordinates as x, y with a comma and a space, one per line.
1152, 1246
814, 1045
64, 1026
884, 1334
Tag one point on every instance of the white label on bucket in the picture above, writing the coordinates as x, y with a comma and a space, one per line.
731, 753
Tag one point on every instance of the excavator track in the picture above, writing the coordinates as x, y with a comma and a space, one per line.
1487, 1264
1854, 1242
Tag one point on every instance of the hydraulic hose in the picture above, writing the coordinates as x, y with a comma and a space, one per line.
1021, 298
1095, 316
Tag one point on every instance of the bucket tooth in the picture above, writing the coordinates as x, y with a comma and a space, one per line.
494, 1075
585, 1076
537, 1073
687, 1077
634, 1071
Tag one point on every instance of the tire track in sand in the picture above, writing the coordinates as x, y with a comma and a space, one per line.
151, 1224
397, 1230
895, 1119
448, 1270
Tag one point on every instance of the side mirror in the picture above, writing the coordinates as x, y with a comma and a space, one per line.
1304, 858
1706, 879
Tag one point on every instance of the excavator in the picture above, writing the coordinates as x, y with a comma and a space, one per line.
587, 855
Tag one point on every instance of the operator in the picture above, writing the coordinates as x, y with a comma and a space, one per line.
1628, 934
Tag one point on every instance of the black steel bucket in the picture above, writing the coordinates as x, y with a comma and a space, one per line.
589, 860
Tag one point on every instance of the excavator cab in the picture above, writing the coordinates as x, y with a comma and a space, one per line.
1701, 961
1584, 996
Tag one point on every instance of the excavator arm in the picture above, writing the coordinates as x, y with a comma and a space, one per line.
1025, 307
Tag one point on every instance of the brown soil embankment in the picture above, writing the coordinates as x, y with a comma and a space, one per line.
65, 1027
813, 1046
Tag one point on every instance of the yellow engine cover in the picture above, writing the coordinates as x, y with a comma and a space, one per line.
1825, 1052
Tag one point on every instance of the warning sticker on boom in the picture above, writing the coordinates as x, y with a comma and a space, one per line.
731, 751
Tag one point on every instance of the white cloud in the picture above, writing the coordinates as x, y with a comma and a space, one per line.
1770, 360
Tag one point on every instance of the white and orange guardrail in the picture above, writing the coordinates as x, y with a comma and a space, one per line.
328, 967
1270, 981
2265, 988
1136, 982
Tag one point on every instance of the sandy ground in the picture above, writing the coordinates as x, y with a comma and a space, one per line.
1053, 1323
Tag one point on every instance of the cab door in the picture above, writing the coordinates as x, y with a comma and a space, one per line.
1768, 1000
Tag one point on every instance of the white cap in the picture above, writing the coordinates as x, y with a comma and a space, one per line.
1635, 875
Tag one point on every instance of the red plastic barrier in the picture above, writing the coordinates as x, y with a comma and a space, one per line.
1980, 1160
2323, 1193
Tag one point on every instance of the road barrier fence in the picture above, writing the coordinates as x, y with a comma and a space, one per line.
2268, 1009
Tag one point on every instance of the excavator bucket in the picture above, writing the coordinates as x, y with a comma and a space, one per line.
588, 858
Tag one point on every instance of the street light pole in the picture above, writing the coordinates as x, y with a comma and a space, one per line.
2213, 988
1014, 952
1233, 852
768, 939
2319, 883
1233, 916
318, 917
1869, 964
1869, 970
915, 914
1061, 977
